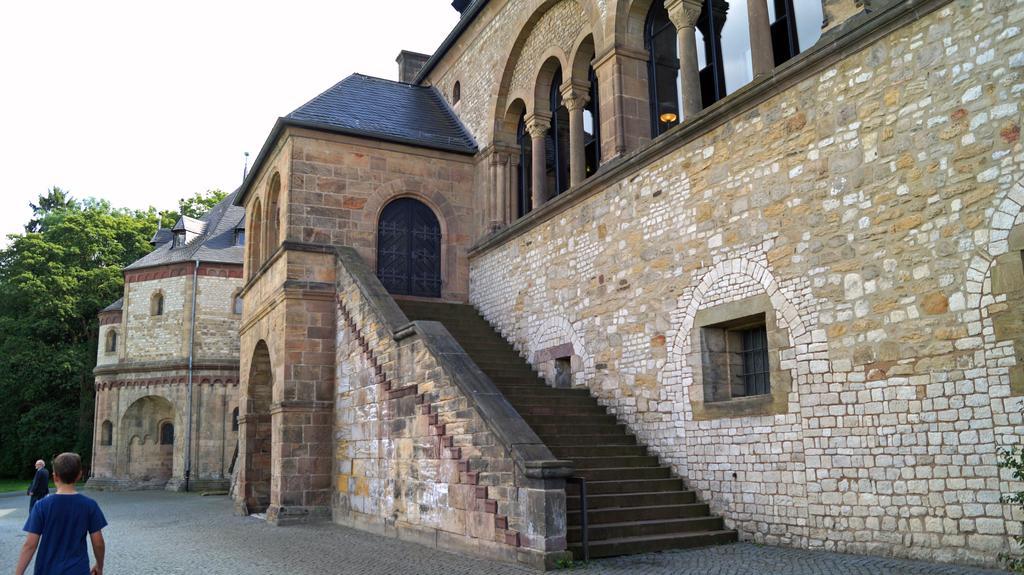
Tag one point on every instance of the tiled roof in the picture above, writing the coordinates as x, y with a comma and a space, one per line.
215, 243
387, 110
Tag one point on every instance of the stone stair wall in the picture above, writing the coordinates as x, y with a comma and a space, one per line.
427, 448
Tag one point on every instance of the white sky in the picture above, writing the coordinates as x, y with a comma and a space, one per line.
142, 103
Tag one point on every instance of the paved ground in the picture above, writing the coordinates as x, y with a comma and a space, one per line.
166, 533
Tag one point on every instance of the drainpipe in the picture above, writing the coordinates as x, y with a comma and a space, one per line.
191, 356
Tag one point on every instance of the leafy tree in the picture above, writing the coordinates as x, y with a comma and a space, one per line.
54, 279
1013, 460
194, 207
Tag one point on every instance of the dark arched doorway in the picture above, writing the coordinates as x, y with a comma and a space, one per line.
409, 249
257, 431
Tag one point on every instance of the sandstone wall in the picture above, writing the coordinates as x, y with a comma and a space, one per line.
414, 457
150, 337
340, 185
866, 204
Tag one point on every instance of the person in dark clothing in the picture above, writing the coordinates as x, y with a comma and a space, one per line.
40, 485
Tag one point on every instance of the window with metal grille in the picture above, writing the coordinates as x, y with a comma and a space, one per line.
754, 355
735, 359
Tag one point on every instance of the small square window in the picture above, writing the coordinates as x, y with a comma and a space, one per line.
734, 357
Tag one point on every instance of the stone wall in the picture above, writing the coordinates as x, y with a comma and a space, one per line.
866, 204
415, 457
151, 337
340, 185
136, 403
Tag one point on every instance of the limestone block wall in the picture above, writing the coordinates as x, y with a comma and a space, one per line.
104, 356
216, 321
340, 185
136, 403
866, 204
151, 337
414, 456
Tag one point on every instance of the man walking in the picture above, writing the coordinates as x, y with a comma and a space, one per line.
40, 485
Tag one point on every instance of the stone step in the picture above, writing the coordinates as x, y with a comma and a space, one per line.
550, 429
548, 410
565, 418
643, 513
640, 485
572, 440
619, 475
616, 461
628, 500
651, 543
574, 452
641, 528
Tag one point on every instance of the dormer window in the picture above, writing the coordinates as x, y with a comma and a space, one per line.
179, 239
240, 237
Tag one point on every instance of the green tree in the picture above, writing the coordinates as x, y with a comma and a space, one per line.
1013, 460
54, 279
195, 206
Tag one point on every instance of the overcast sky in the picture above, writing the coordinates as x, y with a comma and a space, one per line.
141, 103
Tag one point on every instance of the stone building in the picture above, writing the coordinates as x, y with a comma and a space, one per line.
751, 269
172, 338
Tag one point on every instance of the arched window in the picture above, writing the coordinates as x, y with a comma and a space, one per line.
409, 249
254, 223
525, 175
456, 93
236, 304
234, 420
111, 346
557, 142
106, 433
156, 304
661, 40
592, 126
167, 433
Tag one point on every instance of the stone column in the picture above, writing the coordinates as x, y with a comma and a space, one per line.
538, 125
761, 54
503, 190
513, 186
684, 14
624, 101
494, 192
575, 96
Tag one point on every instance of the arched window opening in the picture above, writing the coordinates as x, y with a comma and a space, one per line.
272, 220
106, 433
409, 249
592, 126
456, 93
236, 304
525, 176
795, 26
661, 41
234, 420
156, 305
557, 141
255, 228
167, 433
111, 346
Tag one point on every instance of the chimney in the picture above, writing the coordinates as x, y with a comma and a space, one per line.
410, 64
461, 5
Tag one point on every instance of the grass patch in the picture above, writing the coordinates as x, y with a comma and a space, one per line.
12, 485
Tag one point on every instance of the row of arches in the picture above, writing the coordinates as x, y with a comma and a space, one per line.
665, 61
264, 226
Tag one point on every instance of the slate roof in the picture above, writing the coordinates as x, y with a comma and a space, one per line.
383, 109
116, 306
215, 242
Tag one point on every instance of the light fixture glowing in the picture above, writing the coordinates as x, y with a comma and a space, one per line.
668, 117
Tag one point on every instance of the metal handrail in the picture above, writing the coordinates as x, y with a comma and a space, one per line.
584, 527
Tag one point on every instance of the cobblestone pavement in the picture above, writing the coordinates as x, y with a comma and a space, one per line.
167, 533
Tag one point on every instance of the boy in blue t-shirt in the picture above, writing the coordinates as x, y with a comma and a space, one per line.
58, 524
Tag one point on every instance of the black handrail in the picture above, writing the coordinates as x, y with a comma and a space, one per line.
584, 528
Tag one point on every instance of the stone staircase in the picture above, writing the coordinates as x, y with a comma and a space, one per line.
635, 504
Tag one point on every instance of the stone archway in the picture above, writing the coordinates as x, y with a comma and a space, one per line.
146, 458
255, 430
